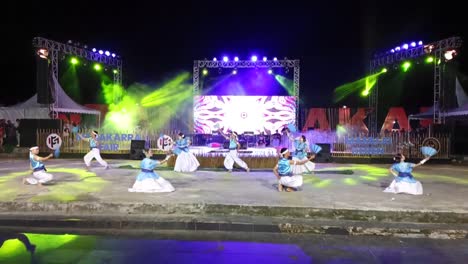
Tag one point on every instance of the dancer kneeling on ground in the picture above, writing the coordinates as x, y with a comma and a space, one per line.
404, 181
39, 175
186, 161
233, 157
149, 181
284, 172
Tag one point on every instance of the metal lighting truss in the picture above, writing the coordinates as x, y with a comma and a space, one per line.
437, 49
197, 64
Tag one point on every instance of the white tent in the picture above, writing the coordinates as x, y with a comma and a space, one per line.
30, 109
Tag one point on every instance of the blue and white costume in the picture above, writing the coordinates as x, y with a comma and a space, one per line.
94, 152
286, 171
39, 171
300, 154
186, 161
404, 182
149, 181
233, 157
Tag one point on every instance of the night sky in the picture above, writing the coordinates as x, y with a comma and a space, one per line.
157, 40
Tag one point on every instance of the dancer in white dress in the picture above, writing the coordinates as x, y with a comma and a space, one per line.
185, 161
149, 181
404, 181
233, 157
301, 148
39, 175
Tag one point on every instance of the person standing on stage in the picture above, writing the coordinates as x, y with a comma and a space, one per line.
185, 161
301, 147
94, 151
149, 181
39, 175
233, 157
404, 181
284, 172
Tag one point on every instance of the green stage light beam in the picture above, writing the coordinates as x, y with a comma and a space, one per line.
364, 84
286, 83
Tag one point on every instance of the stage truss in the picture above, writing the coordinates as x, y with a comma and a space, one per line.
197, 64
54, 48
436, 49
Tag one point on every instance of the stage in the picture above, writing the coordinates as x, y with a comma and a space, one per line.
239, 201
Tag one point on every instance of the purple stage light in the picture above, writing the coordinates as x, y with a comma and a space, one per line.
413, 44
270, 71
275, 59
225, 59
397, 49
214, 59
420, 43
405, 46
101, 52
264, 58
254, 58
392, 51
107, 53
94, 49
236, 58
113, 55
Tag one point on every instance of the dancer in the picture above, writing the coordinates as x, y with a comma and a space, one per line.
301, 147
233, 157
186, 161
284, 172
404, 181
94, 152
39, 175
149, 181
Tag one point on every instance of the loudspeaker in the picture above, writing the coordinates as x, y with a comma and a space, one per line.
324, 155
29, 127
43, 89
136, 149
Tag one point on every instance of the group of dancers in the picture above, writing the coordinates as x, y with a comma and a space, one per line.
288, 170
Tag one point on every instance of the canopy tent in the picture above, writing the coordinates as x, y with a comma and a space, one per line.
32, 109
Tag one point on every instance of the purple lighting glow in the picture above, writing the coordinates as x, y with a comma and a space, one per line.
113, 55
275, 59
94, 49
264, 58
420, 43
236, 58
254, 58
392, 51
214, 59
413, 44
225, 59
107, 53
405, 46
397, 49
101, 52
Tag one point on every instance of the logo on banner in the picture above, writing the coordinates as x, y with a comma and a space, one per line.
53, 141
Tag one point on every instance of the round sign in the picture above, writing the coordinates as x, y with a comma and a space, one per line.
165, 143
53, 141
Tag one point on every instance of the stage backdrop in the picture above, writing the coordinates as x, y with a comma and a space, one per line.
255, 114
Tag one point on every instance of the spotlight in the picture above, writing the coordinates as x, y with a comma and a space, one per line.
384, 70
214, 59
420, 43
101, 52
74, 61
275, 59
43, 53
107, 53
413, 44
205, 72
392, 51
364, 93
113, 55
428, 48
254, 58
115, 71
397, 49
85, 46
234, 72
405, 46
406, 65
449, 54
264, 58
270, 71
97, 67
236, 58
429, 59
225, 59
94, 49
69, 42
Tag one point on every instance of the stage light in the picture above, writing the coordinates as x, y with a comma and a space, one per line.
113, 55
364, 93
405, 46
420, 43
115, 71
397, 49
85, 46
275, 59
225, 59
215, 59
428, 48
270, 71
107, 53
234, 72
254, 58
392, 51
43, 53
413, 44
205, 72
406, 65
264, 58
236, 58
429, 59
97, 67
384, 70
74, 61
449, 54
69, 42
101, 52
94, 49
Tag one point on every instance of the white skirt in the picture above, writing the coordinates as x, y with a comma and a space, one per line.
151, 185
186, 162
414, 188
300, 169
